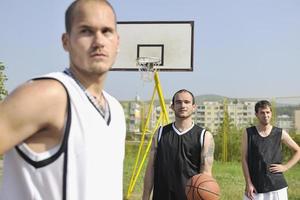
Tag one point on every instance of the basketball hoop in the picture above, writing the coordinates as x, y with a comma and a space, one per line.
147, 66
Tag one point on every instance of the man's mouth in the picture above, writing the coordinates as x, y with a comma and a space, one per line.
98, 55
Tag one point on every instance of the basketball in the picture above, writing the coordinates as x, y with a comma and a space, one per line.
202, 187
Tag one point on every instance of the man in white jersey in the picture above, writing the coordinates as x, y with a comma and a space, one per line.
61, 134
261, 157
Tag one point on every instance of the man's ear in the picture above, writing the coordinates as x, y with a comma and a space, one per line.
65, 41
194, 107
172, 106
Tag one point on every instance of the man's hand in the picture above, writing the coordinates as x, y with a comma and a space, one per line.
250, 190
277, 168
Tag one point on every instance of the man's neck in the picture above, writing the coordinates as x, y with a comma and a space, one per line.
183, 125
93, 84
264, 129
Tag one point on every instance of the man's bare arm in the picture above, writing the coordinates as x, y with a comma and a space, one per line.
287, 140
250, 189
207, 155
33, 107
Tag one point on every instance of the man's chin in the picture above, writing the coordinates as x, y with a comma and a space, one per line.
100, 69
182, 116
266, 123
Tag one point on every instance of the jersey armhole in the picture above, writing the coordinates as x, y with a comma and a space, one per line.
159, 132
62, 147
202, 137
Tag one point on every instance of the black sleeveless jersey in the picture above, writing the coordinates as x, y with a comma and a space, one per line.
263, 151
177, 159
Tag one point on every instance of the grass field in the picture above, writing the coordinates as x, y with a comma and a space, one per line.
229, 176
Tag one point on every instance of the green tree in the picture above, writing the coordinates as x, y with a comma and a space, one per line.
234, 143
274, 112
228, 138
3, 78
226, 130
221, 138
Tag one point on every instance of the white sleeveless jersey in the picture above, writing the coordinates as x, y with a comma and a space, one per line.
87, 165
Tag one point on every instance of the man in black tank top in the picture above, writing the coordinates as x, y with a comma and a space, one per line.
178, 152
261, 157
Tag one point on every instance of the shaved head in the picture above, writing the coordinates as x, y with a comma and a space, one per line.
69, 15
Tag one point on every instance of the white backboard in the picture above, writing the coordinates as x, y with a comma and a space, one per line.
171, 41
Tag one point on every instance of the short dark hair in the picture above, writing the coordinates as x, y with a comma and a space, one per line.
181, 91
262, 104
69, 14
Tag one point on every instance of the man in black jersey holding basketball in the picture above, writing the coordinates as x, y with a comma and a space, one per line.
261, 157
179, 151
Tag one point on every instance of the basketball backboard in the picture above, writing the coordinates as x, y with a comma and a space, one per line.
170, 41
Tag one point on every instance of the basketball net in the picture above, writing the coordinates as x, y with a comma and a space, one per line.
147, 67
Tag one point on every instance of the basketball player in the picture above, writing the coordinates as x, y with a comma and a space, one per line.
261, 157
62, 134
180, 150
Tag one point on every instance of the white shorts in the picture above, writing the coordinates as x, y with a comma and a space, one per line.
274, 195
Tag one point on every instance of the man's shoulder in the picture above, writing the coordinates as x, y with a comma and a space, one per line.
168, 125
50, 80
38, 88
200, 128
250, 128
277, 129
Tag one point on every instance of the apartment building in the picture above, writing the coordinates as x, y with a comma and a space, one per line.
210, 114
285, 122
242, 113
136, 114
297, 120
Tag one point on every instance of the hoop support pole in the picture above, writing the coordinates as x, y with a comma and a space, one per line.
161, 97
144, 156
163, 119
133, 176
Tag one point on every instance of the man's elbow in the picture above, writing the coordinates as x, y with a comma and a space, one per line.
207, 172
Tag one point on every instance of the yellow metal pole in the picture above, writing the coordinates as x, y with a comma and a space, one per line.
146, 153
161, 97
164, 115
131, 185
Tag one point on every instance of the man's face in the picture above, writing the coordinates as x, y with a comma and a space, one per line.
93, 40
264, 115
183, 105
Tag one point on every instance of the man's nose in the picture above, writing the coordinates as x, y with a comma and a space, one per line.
98, 39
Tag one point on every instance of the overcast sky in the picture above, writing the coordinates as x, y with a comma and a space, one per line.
242, 48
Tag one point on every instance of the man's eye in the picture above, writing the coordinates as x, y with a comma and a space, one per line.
86, 31
107, 32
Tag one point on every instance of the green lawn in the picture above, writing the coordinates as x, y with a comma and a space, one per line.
229, 176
